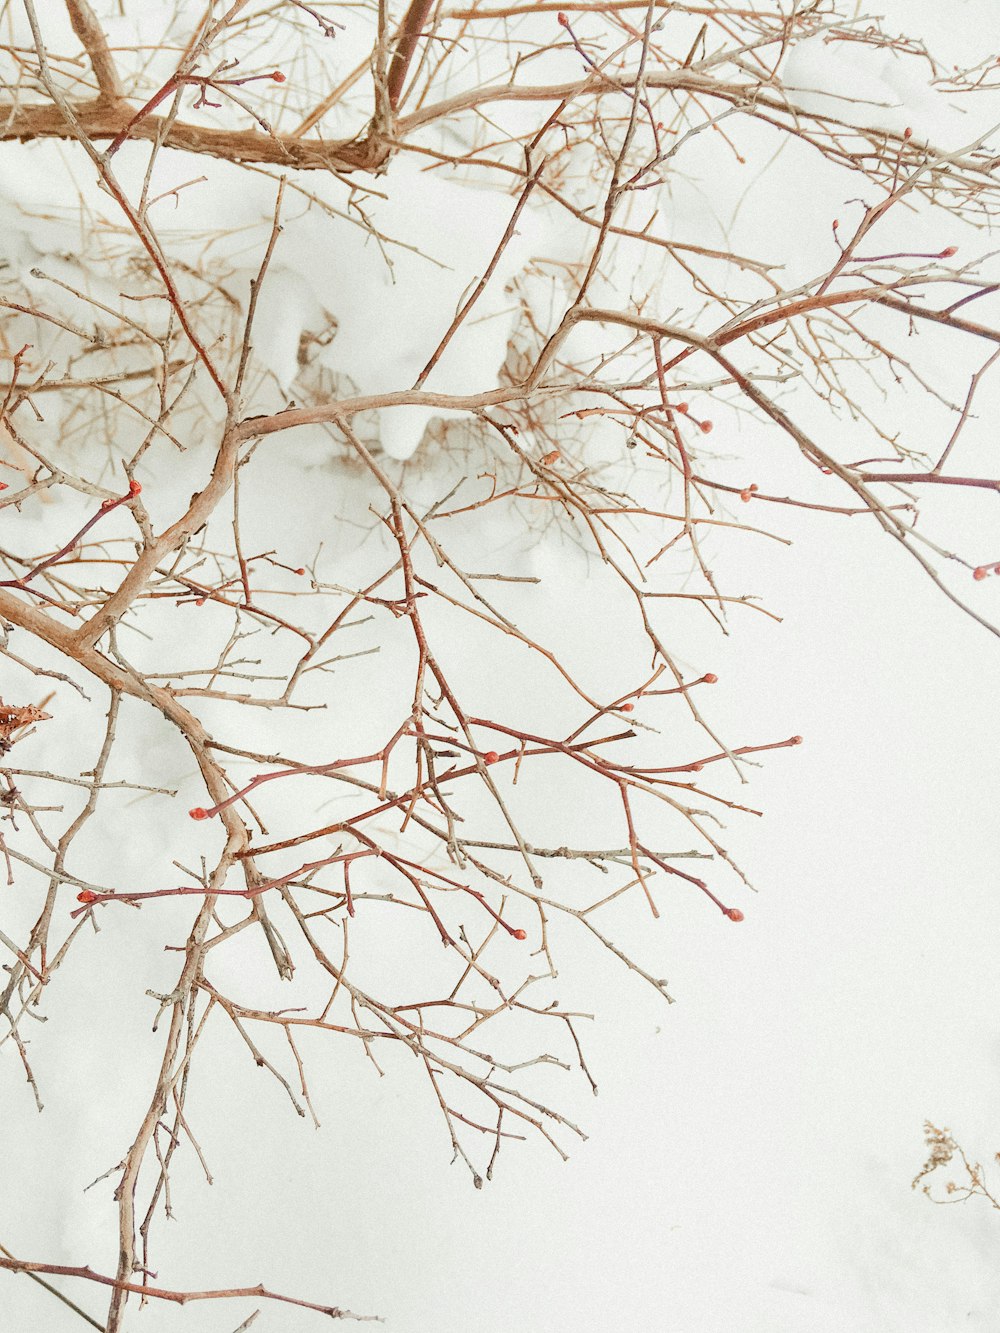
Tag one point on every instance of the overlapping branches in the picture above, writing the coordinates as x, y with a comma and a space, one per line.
433, 690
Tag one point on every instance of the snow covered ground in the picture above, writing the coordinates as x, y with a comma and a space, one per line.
750, 1152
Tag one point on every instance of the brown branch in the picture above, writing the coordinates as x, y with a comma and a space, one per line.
94, 42
100, 120
931, 478
259, 1292
406, 44
54, 1291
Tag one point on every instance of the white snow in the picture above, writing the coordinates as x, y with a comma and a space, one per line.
750, 1154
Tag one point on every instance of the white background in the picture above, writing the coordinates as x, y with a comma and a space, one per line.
750, 1152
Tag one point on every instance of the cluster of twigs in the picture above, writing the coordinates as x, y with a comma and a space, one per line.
942, 1149
437, 818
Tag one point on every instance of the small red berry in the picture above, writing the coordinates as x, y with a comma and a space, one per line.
198, 812
907, 133
710, 677
734, 913
682, 408
746, 496
86, 896
562, 20
3, 485
200, 601
796, 740
298, 571
520, 934
626, 708
277, 76
947, 254
490, 757
979, 573
704, 427
134, 487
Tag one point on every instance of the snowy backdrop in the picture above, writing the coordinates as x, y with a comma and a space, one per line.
764, 1071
